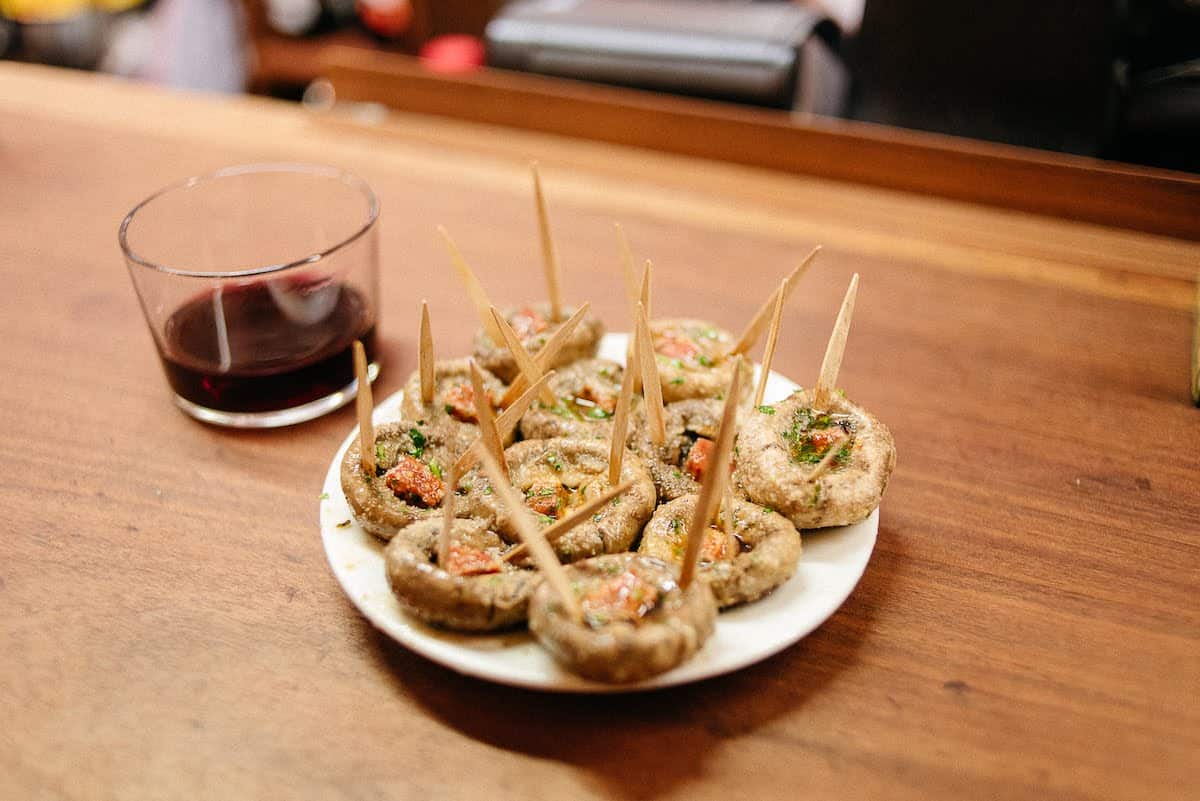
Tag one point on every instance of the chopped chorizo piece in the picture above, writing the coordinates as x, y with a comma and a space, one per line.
463, 560
697, 458
718, 546
528, 322
460, 402
623, 597
413, 481
600, 399
674, 346
546, 498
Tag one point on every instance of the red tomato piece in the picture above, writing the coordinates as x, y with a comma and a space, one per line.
697, 458
528, 322
544, 498
412, 480
460, 402
462, 560
676, 347
717, 545
624, 597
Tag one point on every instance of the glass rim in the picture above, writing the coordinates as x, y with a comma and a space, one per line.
346, 177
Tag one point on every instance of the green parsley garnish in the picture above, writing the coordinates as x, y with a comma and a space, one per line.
418, 442
554, 461
676, 381
767, 510
704, 360
435, 468
324, 496
380, 452
767, 409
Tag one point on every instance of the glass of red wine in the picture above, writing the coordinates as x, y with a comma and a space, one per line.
255, 281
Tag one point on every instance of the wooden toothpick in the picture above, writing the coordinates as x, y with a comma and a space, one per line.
557, 529
754, 328
631, 299
616, 446
443, 545
832, 362
543, 554
364, 404
772, 338
716, 475
727, 506
549, 257
525, 362
626, 257
425, 356
475, 291
651, 388
487, 421
545, 357
644, 287
505, 423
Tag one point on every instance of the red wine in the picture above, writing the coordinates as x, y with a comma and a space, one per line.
286, 342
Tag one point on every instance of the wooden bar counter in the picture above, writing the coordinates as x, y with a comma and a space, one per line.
1028, 626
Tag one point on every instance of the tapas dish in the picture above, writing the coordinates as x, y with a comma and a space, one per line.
651, 508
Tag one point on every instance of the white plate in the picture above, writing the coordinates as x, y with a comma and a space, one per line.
832, 563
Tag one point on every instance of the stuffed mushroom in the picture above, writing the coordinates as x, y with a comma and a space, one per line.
637, 621
742, 565
533, 326
453, 405
781, 446
693, 359
556, 476
408, 484
476, 590
585, 399
677, 466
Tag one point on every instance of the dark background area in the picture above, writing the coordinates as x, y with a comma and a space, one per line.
1116, 79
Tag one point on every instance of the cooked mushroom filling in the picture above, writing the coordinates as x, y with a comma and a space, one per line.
411, 478
527, 322
811, 433
688, 346
548, 495
466, 560
459, 401
590, 404
696, 460
718, 546
625, 597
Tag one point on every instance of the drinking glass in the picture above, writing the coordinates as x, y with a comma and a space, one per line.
255, 281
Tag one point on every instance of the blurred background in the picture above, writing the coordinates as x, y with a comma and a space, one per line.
1117, 79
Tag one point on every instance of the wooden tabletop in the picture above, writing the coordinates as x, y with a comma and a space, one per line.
1027, 627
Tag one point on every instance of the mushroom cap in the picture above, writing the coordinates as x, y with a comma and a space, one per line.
581, 344
769, 549
621, 652
465, 603
376, 508
769, 474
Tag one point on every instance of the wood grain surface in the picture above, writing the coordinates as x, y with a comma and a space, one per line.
1027, 627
